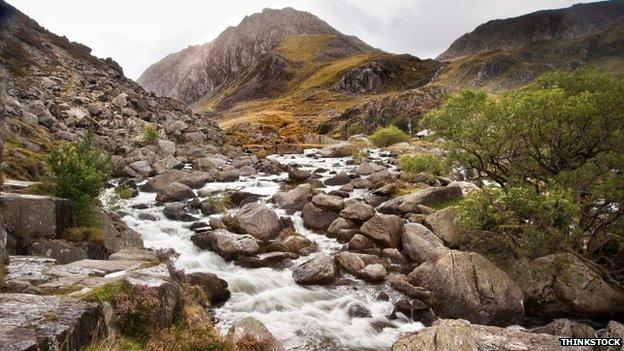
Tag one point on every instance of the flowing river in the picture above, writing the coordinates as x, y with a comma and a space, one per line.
301, 317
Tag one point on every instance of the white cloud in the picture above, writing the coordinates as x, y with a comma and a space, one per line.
137, 33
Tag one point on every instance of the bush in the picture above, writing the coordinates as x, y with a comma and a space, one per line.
359, 155
354, 129
79, 172
539, 224
422, 163
85, 234
150, 134
562, 131
135, 307
388, 136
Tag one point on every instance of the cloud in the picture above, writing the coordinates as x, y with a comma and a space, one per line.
137, 33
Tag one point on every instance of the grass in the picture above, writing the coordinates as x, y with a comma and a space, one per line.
25, 152
330, 72
84, 234
221, 202
301, 48
124, 192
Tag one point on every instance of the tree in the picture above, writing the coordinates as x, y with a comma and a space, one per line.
564, 130
79, 172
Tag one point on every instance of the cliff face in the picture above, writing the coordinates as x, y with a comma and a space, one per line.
56, 91
199, 72
514, 33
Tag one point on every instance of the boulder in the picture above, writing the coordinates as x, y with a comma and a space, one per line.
296, 175
117, 234
134, 254
27, 217
334, 203
216, 288
60, 250
166, 164
241, 198
178, 211
386, 230
614, 330
269, 259
319, 269
400, 283
442, 223
368, 267
289, 241
250, 328
428, 197
32, 322
159, 182
420, 244
228, 245
195, 179
341, 178
460, 335
357, 212
142, 168
175, 192
227, 175
339, 224
467, 285
367, 168
317, 217
566, 328
296, 199
562, 285
360, 243
255, 219
167, 147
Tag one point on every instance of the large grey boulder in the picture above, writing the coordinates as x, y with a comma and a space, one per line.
295, 199
316, 217
386, 230
175, 192
60, 250
428, 197
117, 234
255, 219
368, 267
216, 288
339, 224
319, 269
159, 182
567, 328
32, 322
467, 285
460, 335
32, 216
357, 212
562, 285
249, 327
341, 178
331, 202
420, 244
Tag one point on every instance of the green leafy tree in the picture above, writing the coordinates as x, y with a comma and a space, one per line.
79, 172
565, 130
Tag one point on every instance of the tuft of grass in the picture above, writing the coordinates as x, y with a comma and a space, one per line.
220, 202
149, 134
124, 192
85, 234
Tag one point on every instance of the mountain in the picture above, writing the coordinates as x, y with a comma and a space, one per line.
54, 90
283, 68
504, 54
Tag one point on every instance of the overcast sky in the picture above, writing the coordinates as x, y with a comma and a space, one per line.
137, 33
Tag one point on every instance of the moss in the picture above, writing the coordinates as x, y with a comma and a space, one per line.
445, 204
124, 192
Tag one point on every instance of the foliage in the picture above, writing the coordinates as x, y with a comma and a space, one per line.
79, 172
43, 188
358, 155
149, 134
135, 307
389, 135
539, 224
413, 165
565, 130
221, 202
354, 128
85, 234
124, 191
115, 344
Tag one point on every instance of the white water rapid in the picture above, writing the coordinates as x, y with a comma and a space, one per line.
302, 317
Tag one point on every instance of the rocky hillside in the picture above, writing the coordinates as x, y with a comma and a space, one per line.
504, 54
515, 33
56, 91
283, 68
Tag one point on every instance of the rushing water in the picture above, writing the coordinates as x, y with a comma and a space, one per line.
301, 317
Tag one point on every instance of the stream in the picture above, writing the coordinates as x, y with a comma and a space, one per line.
301, 317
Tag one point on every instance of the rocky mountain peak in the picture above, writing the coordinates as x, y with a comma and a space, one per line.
513, 33
199, 72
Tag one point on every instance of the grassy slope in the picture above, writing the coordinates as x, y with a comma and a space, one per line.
502, 70
307, 98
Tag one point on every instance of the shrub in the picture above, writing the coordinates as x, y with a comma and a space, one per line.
562, 131
221, 202
150, 134
135, 307
422, 163
354, 129
79, 172
359, 155
539, 224
124, 192
388, 136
